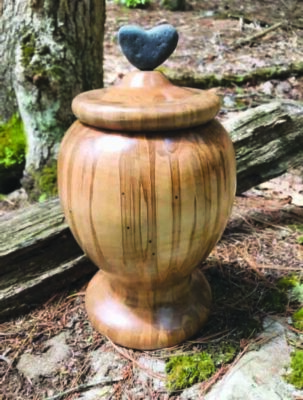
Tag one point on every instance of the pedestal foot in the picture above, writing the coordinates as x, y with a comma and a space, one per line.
148, 319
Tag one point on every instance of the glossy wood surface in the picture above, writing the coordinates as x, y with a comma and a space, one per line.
145, 101
147, 208
148, 319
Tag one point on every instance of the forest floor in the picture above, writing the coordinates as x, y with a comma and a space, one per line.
262, 242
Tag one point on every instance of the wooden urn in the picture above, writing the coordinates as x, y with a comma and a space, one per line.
147, 180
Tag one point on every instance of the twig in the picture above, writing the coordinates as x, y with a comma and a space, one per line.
85, 386
250, 39
125, 353
7, 360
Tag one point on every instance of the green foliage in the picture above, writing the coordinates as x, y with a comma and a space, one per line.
12, 142
184, 371
298, 319
133, 3
295, 377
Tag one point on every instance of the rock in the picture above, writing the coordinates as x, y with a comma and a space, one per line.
267, 88
228, 102
192, 393
147, 49
104, 364
157, 366
258, 374
32, 366
282, 88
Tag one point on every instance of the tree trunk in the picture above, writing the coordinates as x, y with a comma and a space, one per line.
38, 255
50, 51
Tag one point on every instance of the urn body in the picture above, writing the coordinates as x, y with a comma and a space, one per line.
147, 207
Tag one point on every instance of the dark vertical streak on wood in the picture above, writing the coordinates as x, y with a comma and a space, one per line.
225, 175
140, 239
90, 200
206, 172
194, 227
175, 203
151, 207
70, 161
124, 202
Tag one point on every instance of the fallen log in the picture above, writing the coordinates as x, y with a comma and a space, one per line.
206, 81
38, 255
268, 141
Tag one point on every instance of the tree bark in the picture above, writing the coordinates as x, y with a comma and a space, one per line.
38, 255
50, 51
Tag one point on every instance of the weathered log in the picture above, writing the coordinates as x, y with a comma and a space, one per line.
38, 255
268, 141
255, 76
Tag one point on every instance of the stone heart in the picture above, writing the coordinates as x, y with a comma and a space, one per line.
147, 49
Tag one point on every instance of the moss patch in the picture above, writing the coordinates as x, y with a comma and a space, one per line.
185, 371
40, 65
47, 181
12, 153
298, 319
295, 377
293, 286
288, 282
12, 142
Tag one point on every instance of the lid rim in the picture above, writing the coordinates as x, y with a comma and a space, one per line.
158, 106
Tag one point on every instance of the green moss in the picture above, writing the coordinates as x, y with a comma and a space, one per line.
38, 61
47, 181
292, 286
288, 282
185, 371
223, 353
12, 142
28, 45
300, 240
298, 319
295, 377
274, 300
297, 293
296, 227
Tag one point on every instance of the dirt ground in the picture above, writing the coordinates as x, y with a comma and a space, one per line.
262, 241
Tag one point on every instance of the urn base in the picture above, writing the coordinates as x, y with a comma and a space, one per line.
146, 319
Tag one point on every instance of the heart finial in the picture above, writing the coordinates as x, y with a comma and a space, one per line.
147, 49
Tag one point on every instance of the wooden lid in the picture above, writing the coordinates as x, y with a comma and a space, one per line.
145, 101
